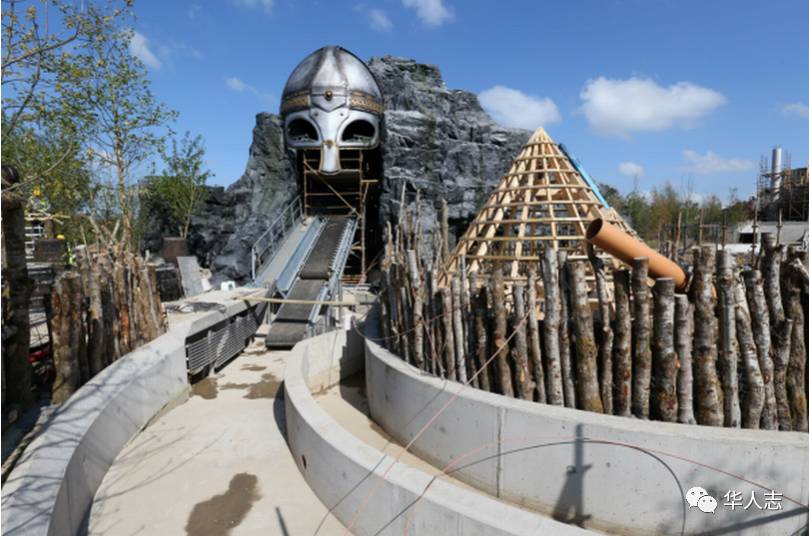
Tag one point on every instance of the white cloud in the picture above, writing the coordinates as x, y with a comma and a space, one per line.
379, 20
631, 169
265, 5
711, 163
139, 48
513, 108
620, 107
240, 86
431, 12
797, 109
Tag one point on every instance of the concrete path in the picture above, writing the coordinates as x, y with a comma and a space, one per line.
217, 464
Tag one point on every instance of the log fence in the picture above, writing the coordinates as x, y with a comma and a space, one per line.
730, 352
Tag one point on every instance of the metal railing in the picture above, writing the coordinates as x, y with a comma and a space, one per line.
266, 245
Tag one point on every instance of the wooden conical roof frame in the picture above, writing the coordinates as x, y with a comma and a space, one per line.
543, 201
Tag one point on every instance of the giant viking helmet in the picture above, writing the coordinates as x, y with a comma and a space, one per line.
331, 102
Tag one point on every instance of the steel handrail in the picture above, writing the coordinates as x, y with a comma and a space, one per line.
260, 254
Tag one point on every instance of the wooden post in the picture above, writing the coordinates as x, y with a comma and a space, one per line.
728, 355
796, 370
605, 349
780, 326
568, 381
68, 336
707, 389
534, 338
449, 338
642, 356
684, 341
752, 403
519, 351
622, 347
550, 281
457, 328
503, 369
482, 340
663, 355
760, 320
588, 392
418, 315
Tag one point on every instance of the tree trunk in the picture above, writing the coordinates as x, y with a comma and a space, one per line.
458, 333
16, 320
622, 347
418, 298
753, 394
95, 320
534, 343
605, 349
796, 370
664, 357
550, 277
780, 326
524, 385
568, 381
707, 389
728, 355
588, 392
481, 340
68, 336
642, 357
500, 345
760, 319
449, 338
684, 342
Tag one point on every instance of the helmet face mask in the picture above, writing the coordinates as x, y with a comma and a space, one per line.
331, 102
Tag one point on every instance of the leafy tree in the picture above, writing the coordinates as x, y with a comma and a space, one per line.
181, 187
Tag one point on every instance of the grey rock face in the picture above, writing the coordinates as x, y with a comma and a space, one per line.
439, 141
436, 140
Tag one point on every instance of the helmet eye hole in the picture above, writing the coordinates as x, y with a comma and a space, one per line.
359, 131
301, 130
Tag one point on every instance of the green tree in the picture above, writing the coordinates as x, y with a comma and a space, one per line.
181, 186
130, 124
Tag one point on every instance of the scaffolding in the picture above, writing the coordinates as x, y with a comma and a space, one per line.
345, 193
545, 200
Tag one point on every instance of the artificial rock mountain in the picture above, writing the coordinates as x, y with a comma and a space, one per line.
435, 139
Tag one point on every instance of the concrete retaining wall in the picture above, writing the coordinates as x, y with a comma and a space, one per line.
606, 472
344, 472
52, 487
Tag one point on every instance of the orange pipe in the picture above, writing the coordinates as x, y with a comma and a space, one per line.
623, 246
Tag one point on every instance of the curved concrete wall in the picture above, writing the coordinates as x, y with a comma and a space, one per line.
52, 487
344, 472
606, 472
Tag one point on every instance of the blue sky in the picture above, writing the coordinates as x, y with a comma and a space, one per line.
642, 92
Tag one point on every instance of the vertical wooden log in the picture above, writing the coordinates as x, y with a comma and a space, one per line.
760, 320
796, 370
534, 343
780, 326
457, 329
664, 358
642, 355
622, 346
683, 345
449, 338
68, 336
568, 380
728, 355
500, 326
418, 298
434, 325
468, 325
588, 392
605, 349
752, 403
707, 388
481, 339
519, 351
550, 283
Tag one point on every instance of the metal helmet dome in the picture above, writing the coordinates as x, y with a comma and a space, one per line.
331, 101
